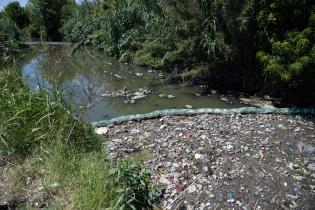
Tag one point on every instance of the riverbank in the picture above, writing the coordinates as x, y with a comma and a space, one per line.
211, 161
50, 158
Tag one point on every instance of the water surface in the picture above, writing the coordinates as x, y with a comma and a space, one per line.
86, 74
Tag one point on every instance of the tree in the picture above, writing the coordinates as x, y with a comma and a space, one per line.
51, 13
16, 13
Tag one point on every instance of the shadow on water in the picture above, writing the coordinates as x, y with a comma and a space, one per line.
86, 74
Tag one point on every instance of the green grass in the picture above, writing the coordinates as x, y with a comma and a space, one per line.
57, 159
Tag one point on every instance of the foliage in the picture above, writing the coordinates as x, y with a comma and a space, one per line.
125, 185
54, 150
31, 121
195, 73
288, 55
184, 34
152, 54
51, 14
9, 46
180, 35
62, 153
76, 31
16, 13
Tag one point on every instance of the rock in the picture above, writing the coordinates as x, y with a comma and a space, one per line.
188, 106
211, 196
101, 131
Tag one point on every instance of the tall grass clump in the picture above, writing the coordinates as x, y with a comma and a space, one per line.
33, 122
61, 154
52, 159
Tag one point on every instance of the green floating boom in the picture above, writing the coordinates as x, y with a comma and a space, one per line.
178, 112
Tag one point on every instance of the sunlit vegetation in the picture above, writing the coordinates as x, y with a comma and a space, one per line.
49, 154
261, 47
258, 46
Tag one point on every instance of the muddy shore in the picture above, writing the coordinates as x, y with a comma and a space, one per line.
229, 161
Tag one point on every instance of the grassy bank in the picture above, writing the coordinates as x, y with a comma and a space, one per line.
53, 159
50, 158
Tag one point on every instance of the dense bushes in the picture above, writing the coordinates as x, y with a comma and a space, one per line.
240, 44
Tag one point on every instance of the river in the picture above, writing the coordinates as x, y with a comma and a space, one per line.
90, 80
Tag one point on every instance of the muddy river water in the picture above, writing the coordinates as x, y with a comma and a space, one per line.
105, 88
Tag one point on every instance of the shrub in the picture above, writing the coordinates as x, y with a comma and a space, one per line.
76, 31
152, 54
9, 45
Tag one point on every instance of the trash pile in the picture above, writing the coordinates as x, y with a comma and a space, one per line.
228, 161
